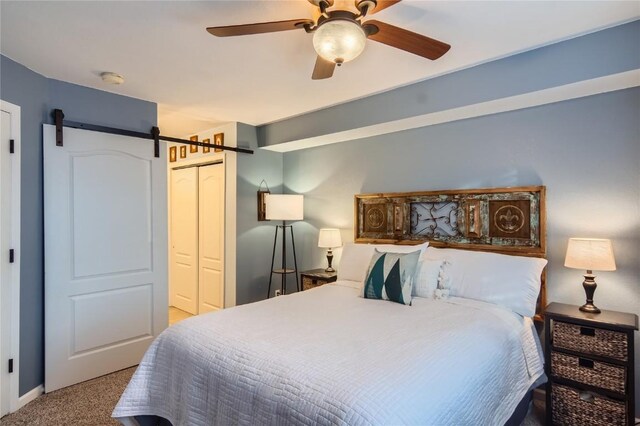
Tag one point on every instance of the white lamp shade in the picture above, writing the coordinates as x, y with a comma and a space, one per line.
329, 238
590, 254
339, 40
284, 207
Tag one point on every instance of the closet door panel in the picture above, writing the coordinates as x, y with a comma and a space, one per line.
211, 246
211, 291
184, 239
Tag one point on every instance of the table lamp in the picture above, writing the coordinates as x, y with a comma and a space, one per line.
329, 238
591, 254
284, 207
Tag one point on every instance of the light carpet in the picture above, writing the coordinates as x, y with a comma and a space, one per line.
91, 403
87, 403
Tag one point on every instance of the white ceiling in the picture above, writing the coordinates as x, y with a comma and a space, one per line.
199, 80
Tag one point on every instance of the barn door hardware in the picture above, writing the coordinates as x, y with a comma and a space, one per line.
153, 135
58, 117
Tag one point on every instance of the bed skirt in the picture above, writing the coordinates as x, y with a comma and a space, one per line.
516, 418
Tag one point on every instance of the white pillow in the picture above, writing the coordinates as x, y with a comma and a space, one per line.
509, 281
354, 262
355, 259
391, 248
427, 277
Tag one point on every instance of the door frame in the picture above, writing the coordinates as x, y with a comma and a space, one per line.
13, 307
220, 158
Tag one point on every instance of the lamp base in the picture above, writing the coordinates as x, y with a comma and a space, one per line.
590, 308
329, 260
590, 286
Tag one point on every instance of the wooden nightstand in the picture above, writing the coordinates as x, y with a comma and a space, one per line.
589, 362
316, 277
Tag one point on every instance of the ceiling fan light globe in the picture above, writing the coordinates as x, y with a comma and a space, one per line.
339, 40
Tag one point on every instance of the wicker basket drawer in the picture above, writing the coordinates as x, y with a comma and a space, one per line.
572, 407
590, 340
583, 370
309, 283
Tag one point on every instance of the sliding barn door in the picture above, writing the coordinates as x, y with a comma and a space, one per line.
211, 206
184, 239
105, 253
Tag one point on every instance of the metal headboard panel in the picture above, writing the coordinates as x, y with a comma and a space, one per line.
501, 220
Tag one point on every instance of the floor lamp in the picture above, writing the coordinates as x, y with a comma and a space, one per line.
284, 207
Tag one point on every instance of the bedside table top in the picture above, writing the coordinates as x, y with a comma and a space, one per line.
319, 273
618, 319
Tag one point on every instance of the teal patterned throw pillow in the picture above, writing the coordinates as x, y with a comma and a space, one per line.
390, 276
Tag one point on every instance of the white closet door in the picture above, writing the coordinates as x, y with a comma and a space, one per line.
105, 199
211, 185
184, 239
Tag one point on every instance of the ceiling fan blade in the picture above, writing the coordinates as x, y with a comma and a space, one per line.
383, 4
259, 28
405, 40
323, 69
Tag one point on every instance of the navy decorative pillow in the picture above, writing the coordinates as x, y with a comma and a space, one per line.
391, 276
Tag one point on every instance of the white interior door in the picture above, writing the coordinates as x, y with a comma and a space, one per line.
184, 239
105, 253
9, 240
211, 238
5, 267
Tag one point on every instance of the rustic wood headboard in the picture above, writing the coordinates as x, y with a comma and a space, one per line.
501, 220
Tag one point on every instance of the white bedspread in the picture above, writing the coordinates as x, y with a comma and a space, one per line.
326, 356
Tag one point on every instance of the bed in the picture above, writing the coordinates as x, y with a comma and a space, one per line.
329, 356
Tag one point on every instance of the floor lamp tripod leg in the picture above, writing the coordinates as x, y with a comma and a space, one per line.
295, 260
273, 256
283, 284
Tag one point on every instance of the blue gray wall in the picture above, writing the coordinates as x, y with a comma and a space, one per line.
586, 151
37, 96
29, 90
594, 55
254, 243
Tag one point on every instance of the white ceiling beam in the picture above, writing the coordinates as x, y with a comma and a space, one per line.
565, 92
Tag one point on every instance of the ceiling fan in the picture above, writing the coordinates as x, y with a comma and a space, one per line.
339, 36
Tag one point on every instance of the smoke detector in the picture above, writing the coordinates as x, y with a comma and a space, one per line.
112, 78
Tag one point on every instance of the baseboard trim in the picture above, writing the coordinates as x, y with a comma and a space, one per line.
30, 396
